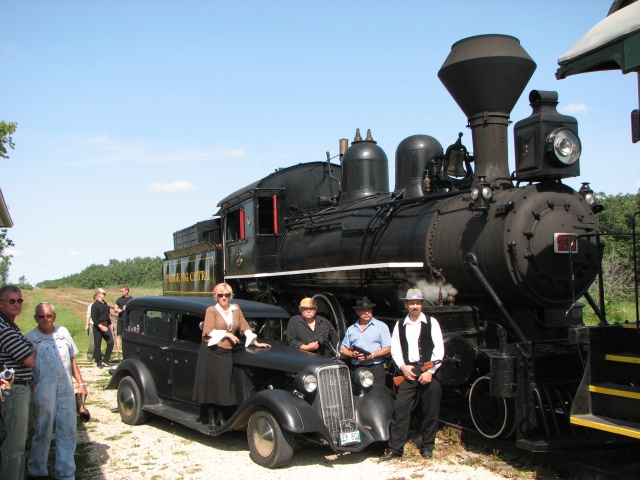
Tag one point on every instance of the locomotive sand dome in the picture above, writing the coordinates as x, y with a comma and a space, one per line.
512, 258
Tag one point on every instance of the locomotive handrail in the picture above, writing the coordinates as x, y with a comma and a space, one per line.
472, 262
635, 267
406, 201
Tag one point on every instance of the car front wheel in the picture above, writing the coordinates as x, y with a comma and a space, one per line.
130, 402
270, 446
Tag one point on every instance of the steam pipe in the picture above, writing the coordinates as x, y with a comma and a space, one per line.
471, 262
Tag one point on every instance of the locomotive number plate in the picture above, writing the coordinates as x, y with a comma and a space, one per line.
349, 438
562, 242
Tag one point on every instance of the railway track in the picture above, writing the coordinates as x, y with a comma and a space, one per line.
604, 462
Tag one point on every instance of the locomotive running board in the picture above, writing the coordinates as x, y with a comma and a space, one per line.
370, 266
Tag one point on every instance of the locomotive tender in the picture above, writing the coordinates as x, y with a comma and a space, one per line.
504, 256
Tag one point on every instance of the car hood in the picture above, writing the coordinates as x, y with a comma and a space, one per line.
279, 357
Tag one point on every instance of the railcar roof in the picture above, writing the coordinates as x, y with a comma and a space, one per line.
611, 44
200, 304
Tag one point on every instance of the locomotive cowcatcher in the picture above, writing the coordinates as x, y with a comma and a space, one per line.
503, 256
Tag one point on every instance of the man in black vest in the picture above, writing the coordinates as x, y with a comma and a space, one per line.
416, 340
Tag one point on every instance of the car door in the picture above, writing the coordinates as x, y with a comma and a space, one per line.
184, 354
155, 339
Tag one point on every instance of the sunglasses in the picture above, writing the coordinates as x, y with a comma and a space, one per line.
42, 315
227, 295
11, 301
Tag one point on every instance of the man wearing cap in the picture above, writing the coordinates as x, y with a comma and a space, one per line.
15, 353
53, 397
416, 340
101, 329
370, 335
304, 330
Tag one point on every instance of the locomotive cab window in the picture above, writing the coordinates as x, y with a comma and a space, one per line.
235, 225
267, 216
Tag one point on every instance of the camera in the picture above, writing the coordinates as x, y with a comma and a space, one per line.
7, 373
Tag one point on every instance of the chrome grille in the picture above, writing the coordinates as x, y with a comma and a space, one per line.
336, 399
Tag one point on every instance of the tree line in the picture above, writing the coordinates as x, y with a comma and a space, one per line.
136, 272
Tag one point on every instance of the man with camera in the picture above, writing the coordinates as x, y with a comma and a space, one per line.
367, 341
54, 400
15, 354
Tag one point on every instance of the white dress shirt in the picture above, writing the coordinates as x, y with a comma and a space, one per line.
412, 330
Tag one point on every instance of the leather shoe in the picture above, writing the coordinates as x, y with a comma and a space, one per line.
221, 422
426, 453
213, 425
389, 455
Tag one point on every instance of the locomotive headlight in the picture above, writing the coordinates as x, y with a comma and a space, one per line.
564, 146
306, 382
481, 194
363, 378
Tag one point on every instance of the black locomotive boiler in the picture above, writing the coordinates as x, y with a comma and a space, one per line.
502, 255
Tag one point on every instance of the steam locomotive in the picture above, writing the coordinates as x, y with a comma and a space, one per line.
502, 256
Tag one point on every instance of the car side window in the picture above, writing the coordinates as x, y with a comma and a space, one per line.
133, 322
272, 329
158, 324
189, 328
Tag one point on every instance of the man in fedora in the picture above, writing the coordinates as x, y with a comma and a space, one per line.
367, 335
416, 340
304, 330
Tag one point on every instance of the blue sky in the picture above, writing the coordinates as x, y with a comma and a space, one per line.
136, 117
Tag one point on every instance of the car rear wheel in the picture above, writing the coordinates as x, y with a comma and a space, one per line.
130, 402
270, 446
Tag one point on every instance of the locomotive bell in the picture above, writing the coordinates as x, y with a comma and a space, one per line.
365, 169
547, 144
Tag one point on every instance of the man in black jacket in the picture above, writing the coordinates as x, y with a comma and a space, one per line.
100, 313
306, 331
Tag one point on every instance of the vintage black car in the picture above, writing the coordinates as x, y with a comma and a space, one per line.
285, 395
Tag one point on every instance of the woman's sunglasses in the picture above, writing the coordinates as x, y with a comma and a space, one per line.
220, 295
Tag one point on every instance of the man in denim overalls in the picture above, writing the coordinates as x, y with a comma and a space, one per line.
53, 396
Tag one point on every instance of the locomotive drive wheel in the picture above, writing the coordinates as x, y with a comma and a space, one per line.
492, 416
130, 402
270, 446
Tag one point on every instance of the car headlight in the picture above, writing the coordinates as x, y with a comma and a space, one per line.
363, 378
306, 382
564, 145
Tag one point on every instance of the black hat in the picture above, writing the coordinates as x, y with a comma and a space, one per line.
363, 302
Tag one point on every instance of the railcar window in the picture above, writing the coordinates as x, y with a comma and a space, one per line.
158, 324
189, 328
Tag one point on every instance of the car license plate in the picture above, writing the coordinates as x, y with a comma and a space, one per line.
347, 438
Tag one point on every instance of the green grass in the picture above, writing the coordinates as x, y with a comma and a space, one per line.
616, 312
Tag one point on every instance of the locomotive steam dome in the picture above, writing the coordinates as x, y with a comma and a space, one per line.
365, 169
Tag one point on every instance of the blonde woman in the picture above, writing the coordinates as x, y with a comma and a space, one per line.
213, 387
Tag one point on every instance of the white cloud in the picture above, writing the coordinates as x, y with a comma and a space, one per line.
103, 150
14, 253
180, 186
574, 108
73, 253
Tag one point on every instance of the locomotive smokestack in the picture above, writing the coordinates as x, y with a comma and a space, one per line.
486, 75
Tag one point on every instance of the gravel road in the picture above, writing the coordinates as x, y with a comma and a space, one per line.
111, 450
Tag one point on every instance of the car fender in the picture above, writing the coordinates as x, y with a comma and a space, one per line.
133, 367
292, 412
374, 411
